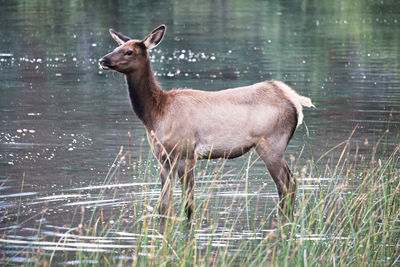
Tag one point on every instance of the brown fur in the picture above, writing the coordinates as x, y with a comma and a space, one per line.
186, 125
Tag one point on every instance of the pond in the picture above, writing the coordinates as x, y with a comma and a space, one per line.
64, 121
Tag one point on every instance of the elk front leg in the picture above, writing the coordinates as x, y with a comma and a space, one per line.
186, 176
167, 177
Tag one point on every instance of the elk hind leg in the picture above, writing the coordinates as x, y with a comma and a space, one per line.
273, 157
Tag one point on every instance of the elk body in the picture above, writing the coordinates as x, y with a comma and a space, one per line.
184, 126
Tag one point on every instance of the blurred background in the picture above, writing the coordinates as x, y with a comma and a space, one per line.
63, 120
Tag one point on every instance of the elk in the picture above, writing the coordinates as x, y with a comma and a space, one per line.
184, 126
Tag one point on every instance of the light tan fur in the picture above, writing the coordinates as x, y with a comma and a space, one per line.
297, 100
225, 123
186, 125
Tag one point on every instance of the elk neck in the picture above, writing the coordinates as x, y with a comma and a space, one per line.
147, 98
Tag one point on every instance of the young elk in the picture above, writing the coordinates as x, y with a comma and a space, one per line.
183, 126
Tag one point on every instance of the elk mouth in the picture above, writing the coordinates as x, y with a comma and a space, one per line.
105, 65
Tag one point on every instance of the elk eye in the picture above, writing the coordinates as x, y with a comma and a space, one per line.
129, 52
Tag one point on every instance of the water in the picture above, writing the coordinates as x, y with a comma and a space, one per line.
63, 121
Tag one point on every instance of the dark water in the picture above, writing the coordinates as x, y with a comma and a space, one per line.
63, 121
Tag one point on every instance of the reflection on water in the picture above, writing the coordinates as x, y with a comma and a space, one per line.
63, 120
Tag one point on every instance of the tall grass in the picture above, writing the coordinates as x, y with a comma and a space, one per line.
347, 213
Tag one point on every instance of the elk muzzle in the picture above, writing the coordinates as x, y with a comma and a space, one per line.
105, 63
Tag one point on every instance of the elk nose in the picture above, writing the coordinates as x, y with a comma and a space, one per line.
103, 61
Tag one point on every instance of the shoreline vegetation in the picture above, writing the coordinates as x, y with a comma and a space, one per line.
347, 213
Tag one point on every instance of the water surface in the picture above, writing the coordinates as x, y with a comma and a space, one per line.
63, 121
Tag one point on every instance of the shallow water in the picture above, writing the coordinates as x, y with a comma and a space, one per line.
63, 121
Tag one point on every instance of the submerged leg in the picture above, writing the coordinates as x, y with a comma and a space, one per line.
186, 176
273, 157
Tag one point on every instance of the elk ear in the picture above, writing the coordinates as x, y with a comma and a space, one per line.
155, 37
119, 37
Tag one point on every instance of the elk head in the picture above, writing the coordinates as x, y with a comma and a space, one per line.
131, 55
